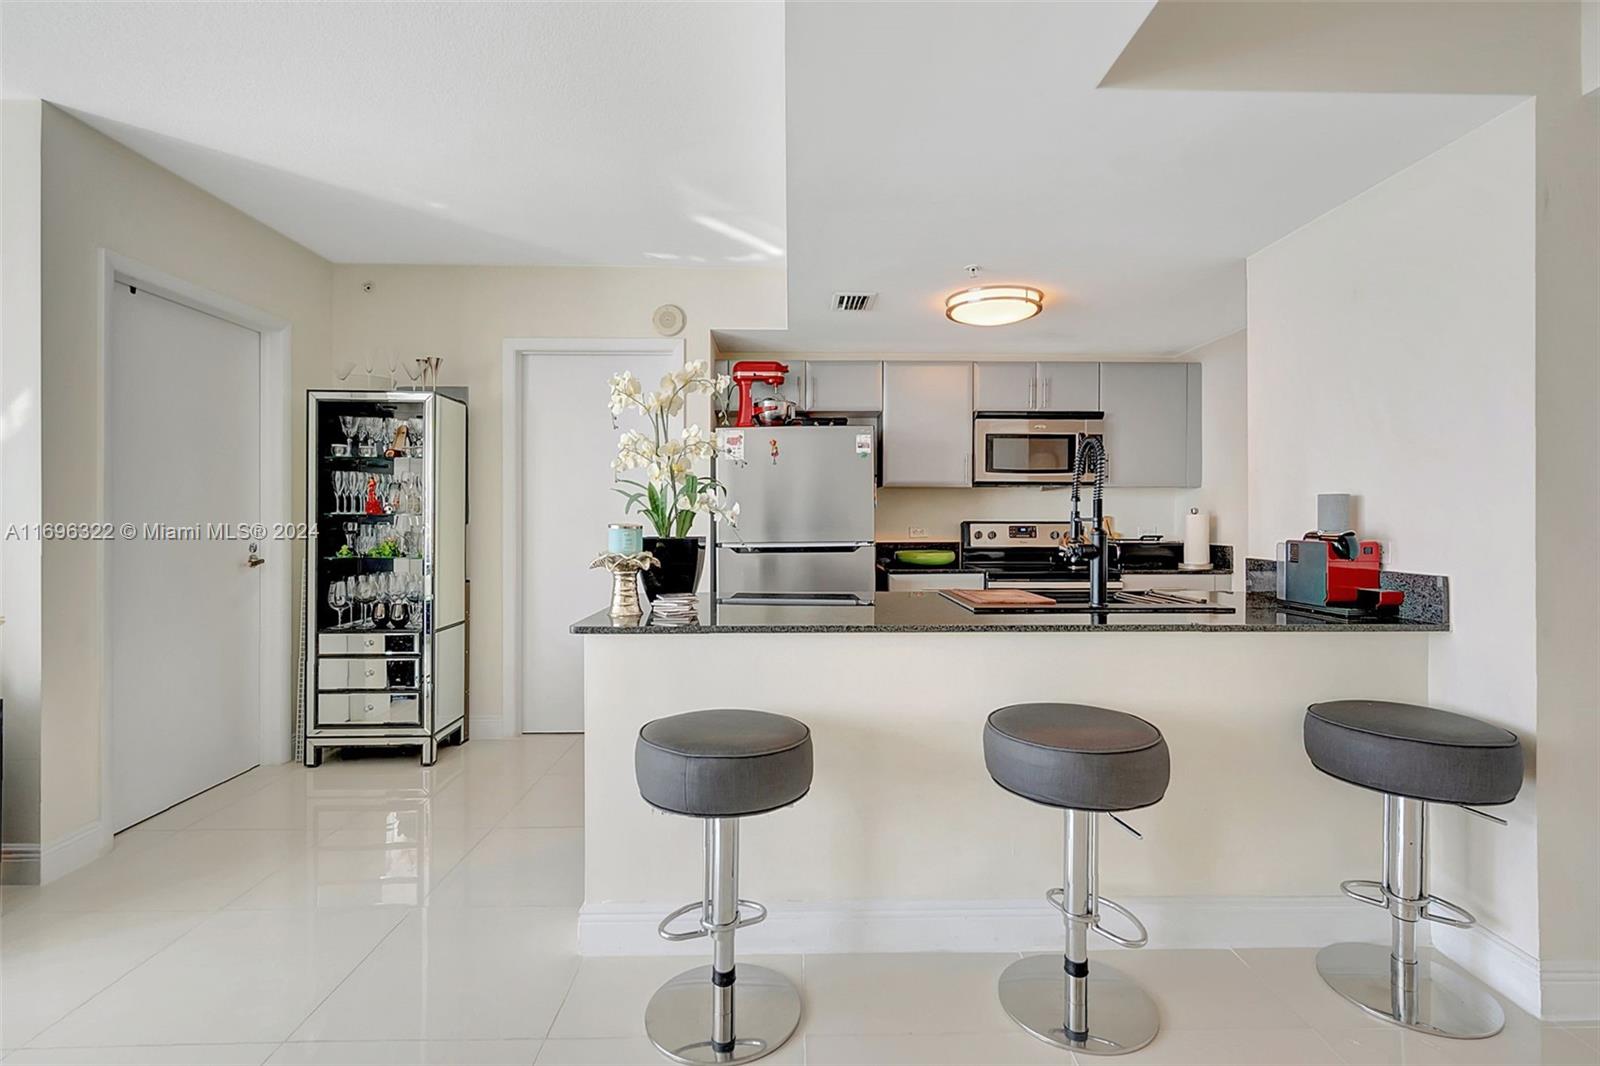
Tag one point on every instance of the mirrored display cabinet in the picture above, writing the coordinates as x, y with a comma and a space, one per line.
386, 486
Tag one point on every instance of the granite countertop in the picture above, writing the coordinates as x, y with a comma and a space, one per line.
929, 612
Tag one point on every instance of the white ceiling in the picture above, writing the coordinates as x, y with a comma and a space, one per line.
624, 134
919, 138
926, 137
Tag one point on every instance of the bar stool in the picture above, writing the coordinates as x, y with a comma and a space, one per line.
1087, 761
722, 765
1414, 756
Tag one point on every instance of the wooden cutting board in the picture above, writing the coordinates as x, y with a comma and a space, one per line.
999, 598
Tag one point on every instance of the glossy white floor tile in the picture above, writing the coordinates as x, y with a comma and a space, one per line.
556, 800
145, 1055
376, 911
1205, 989
457, 973
409, 1053
183, 871
907, 993
239, 976
637, 1051
517, 868
52, 962
945, 1049
609, 995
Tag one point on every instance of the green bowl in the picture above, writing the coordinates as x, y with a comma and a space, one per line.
925, 557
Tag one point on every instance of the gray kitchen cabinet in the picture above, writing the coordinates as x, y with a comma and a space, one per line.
1068, 387
1003, 386
927, 424
1037, 386
843, 386
1152, 424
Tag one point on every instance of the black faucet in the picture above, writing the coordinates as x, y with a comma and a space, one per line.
1096, 551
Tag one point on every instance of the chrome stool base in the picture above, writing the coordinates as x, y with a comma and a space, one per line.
765, 1009
1122, 1016
1440, 1001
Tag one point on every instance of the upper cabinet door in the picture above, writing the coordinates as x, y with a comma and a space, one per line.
837, 386
927, 424
1068, 387
1152, 423
1005, 386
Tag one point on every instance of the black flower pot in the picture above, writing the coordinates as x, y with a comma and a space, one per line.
681, 559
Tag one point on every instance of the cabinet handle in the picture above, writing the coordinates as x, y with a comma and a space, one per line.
1033, 394
1047, 391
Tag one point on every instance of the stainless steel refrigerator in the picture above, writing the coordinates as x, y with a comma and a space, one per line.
806, 500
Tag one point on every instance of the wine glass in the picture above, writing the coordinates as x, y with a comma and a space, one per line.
336, 600
364, 596
348, 424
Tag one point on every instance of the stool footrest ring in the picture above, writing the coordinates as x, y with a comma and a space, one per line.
706, 928
1378, 895
1461, 919
1056, 896
1138, 941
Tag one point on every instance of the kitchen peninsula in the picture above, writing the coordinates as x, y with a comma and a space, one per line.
905, 844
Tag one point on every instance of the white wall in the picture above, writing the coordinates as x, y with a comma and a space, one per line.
21, 603
465, 314
98, 195
1392, 356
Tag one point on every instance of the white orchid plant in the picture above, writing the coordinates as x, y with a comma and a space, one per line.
670, 493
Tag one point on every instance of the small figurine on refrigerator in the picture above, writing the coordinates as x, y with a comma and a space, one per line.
374, 505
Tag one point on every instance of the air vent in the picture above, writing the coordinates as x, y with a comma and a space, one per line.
854, 301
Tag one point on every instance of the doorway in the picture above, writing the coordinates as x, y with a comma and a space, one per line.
563, 500
184, 625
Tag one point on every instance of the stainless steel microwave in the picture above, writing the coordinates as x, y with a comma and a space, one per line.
1017, 450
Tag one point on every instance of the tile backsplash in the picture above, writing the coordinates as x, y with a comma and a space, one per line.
937, 514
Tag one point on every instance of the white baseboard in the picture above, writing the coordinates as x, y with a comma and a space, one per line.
1570, 991
1495, 961
993, 925
489, 727
19, 864
73, 851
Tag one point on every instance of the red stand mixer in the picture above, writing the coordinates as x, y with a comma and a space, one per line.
745, 375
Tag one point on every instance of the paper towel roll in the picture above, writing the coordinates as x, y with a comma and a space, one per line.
1196, 539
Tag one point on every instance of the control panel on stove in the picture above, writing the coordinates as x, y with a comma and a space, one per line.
1017, 535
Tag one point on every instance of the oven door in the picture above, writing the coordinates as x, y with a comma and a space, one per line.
1025, 451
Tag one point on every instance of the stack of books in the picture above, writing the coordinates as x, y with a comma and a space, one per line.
675, 609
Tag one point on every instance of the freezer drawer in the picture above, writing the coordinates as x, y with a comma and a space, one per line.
334, 674
744, 571
369, 643
368, 708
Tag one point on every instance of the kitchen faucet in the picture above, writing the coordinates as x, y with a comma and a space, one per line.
1097, 550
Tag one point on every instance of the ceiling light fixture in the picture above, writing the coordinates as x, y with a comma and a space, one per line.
993, 305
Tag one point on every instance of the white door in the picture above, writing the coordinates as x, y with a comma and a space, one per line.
183, 395
568, 501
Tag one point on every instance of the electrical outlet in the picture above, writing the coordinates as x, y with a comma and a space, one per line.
916, 531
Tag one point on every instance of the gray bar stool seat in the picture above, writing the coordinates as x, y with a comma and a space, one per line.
722, 765
1415, 756
1086, 761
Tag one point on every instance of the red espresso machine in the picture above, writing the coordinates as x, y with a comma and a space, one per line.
745, 375
1336, 573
